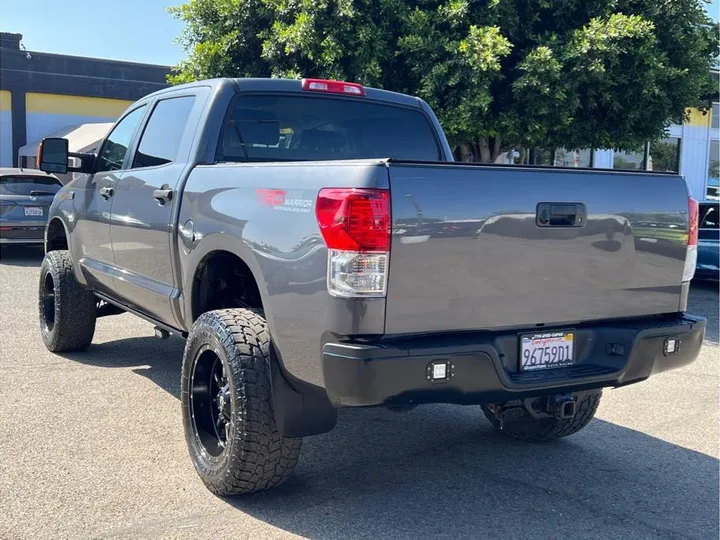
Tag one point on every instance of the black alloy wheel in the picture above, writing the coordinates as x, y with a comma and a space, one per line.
211, 403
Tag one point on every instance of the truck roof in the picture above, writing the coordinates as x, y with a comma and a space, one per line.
287, 86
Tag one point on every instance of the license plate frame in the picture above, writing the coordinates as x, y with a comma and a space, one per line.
544, 357
34, 211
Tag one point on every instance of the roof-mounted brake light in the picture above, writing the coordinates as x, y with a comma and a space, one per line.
333, 87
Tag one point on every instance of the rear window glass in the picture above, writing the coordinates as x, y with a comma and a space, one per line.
708, 216
28, 185
292, 128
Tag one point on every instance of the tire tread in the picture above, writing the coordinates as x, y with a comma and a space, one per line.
75, 306
261, 458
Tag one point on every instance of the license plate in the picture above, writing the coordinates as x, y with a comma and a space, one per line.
33, 211
546, 351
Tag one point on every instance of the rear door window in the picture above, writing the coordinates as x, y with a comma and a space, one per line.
29, 185
160, 141
301, 128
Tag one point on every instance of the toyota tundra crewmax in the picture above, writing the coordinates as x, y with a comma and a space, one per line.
317, 247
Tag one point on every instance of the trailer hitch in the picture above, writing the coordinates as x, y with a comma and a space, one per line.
561, 406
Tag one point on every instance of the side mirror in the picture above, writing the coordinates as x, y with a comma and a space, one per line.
53, 155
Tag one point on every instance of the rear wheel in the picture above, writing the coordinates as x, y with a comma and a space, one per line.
528, 428
227, 410
67, 310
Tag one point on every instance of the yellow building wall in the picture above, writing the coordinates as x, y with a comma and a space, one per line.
697, 119
5, 100
48, 113
74, 105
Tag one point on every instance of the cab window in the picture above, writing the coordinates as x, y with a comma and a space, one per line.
115, 148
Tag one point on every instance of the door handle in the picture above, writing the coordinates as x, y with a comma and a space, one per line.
561, 215
163, 195
106, 192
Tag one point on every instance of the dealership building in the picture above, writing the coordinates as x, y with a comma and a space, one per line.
44, 94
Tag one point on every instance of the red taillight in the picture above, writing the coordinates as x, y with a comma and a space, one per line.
354, 219
691, 252
693, 218
333, 87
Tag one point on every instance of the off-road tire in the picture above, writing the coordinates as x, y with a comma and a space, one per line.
68, 324
256, 456
530, 429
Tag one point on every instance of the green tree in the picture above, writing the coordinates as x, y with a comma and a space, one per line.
499, 73
664, 155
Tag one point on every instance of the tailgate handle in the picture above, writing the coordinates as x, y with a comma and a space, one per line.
551, 214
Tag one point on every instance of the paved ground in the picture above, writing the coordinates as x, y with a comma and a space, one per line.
91, 446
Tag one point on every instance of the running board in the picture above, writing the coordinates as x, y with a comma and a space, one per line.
158, 324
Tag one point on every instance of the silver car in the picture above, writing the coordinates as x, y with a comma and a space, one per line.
25, 198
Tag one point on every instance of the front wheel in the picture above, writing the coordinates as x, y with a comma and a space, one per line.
67, 310
227, 410
531, 429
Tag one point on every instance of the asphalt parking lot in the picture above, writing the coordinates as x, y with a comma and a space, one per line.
91, 446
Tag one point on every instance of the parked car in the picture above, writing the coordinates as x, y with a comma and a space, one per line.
265, 221
25, 197
708, 262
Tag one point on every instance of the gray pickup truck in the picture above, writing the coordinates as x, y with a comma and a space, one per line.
317, 247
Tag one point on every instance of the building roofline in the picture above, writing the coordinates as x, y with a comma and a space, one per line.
107, 60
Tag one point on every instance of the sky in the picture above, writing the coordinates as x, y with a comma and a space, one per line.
93, 28
90, 28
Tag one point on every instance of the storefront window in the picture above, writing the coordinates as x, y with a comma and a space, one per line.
715, 123
713, 183
665, 155
629, 160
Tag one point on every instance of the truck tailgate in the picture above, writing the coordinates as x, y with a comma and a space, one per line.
483, 247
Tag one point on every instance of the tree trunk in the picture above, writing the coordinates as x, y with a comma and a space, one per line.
488, 149
464, 152
484, 150
483, 154
496, 149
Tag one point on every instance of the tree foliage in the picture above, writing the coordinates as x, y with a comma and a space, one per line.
499, 73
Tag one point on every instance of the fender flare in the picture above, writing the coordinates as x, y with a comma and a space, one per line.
301, 409
210, 244
51, 221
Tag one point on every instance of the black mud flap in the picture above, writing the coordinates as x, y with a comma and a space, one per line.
301, 409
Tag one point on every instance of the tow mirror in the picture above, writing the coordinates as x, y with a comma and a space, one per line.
53, 155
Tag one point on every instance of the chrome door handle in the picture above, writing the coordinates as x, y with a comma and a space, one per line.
163, 195
106, 192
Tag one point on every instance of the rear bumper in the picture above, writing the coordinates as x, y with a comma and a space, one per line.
22, 232
485, 365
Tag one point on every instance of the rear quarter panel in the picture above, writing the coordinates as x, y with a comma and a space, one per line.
265, 214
